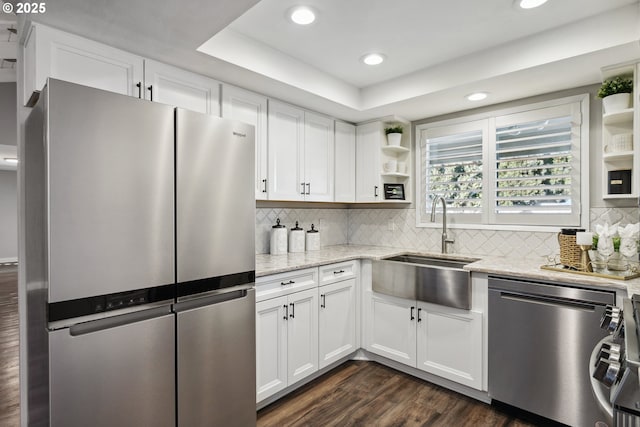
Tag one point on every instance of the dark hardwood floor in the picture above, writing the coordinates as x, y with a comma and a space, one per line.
9, 388
370, 394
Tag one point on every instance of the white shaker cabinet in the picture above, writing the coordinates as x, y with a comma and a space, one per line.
286, 152
318, 157
337, 321
449, 343
286, 330
368, 182
53, 53
345, 162
249, 107
300, 153
391, 328
174, 86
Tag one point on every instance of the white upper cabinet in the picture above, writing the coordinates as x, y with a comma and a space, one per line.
345, 162
173, 86
368, 181
318, 158
56, 54
286, 152
301, 150
248, 107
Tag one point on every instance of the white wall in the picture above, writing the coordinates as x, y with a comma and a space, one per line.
8, 216
8, 123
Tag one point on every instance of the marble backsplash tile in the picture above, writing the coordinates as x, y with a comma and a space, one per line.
396, 228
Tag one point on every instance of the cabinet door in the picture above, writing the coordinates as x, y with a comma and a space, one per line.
180, 88
345, 163
248, 107
368, 162
337, 320
271, 347
319, 158
392, 328
302, 335
450, 343
286, 152
53, 53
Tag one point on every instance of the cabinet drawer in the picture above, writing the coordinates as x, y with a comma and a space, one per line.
285, 283
337, 272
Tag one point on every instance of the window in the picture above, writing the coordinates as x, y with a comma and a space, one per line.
516, 167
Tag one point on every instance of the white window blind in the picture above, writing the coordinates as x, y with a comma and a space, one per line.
537, 167
521, 168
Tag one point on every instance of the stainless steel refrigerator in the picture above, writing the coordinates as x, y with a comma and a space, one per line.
140, 263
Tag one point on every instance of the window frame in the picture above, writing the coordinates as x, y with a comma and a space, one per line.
488, 149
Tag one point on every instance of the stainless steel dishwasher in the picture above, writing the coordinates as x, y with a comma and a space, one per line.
540, 339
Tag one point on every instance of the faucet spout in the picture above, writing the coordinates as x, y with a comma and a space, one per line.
445, 238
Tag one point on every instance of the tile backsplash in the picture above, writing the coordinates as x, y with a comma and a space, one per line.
396, 228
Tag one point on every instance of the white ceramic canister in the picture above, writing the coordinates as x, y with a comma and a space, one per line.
313, 239
296, 239
278, 239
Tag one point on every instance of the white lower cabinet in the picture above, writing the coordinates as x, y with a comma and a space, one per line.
392, 328
337, 321
440, 340
286, 341
449, 343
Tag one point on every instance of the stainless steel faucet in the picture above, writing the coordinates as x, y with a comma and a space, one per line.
445, 240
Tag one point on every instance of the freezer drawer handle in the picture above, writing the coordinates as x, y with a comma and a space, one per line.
293, 310
338, 272
286, 311
112, 322
323, 303
290, 282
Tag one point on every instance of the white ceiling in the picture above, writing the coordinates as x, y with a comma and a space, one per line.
437, 51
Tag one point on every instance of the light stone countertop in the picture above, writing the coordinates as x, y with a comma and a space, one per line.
525, 268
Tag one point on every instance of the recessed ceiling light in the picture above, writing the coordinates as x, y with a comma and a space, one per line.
477, 96
302, 15
11, 160
530, 4
373, 59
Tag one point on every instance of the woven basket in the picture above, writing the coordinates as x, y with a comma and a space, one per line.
569, 251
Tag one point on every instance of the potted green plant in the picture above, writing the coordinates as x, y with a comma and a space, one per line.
616, 94
394, 134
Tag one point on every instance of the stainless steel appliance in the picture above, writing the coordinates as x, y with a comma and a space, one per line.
615, 362
140, 295
540, 338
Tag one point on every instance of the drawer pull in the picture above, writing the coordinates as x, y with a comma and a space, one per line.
338, 272
290, 282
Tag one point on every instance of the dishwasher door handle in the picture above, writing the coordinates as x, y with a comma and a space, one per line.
538, 299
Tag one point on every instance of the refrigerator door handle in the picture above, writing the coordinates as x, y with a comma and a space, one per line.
112, 322
210, 300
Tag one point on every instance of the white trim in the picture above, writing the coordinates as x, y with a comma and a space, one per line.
8, 260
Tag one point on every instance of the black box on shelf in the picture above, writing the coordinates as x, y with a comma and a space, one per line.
619, 182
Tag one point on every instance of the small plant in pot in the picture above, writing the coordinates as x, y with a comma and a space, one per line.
394, 134
616, 94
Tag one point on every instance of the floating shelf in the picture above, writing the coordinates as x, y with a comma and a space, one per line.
395, 149
395, 174
620, 155
618, 117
